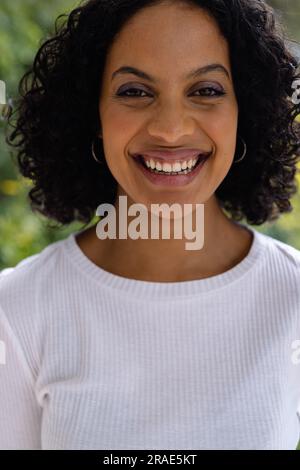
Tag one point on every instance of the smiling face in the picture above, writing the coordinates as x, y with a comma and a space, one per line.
164, 107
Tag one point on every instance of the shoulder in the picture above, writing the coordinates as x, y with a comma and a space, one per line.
281, 263
284, 253
30, 269
26, 293
30, 279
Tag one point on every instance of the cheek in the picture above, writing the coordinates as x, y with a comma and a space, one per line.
120, 120
122, 125
223, 121
222, 131
119, 130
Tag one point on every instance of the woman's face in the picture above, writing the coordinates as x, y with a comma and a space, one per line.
172, 111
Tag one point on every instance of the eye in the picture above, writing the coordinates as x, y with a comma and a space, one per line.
137, 90
215, 90
123, 93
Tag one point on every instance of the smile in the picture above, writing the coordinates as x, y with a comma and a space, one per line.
170, 173
171, 168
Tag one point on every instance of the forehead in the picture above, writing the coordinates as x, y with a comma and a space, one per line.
169, 36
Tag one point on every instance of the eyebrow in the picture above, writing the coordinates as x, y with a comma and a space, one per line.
193, 74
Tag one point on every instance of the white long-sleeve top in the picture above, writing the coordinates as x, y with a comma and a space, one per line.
92, 360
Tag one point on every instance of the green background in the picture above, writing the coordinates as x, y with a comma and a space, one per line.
24, 24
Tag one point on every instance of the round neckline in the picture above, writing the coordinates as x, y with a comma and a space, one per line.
168, 290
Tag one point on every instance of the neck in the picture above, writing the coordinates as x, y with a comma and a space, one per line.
226, 243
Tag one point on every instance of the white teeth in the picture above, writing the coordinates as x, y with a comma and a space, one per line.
168, 167
184, 165
176, 166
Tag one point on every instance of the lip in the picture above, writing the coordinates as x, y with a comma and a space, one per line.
172, 155
171, 180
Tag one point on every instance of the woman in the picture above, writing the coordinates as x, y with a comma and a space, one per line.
139, 343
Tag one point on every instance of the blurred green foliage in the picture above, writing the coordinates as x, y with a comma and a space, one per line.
24, 24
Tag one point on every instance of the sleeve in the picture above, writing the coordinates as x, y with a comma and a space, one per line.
20, 413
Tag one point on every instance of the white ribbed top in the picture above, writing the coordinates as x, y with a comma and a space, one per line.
163, 290
92, 360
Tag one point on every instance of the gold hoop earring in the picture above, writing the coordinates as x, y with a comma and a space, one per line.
94, 155
244, 153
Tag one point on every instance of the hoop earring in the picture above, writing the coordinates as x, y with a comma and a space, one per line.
244, 153
94, 156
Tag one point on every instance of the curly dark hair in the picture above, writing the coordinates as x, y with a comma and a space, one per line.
57, 112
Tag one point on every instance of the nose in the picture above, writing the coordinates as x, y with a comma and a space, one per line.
171, 122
